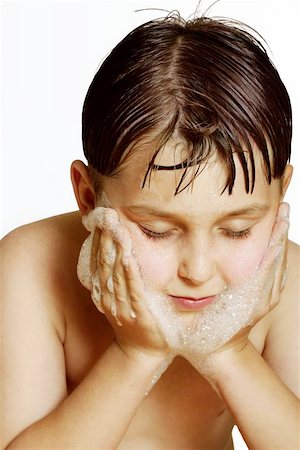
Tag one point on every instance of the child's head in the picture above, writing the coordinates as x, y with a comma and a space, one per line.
194, 105
206, 83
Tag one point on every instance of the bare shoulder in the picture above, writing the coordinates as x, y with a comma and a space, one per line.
34, 260
282, 350
47, 234
42, 253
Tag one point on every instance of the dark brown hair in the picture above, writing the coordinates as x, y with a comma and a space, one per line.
208, 81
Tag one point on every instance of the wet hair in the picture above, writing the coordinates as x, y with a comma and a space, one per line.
208, 82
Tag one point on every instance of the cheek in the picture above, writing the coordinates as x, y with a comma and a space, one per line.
156, 262
155, 259
245, 256
241, 262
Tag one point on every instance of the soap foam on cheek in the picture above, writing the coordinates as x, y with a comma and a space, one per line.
197, 335
193, 335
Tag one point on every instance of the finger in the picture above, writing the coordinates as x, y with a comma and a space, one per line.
95, 250
284, 210
118, 232
105, 263
284, 280
279, 231
135, 287
282, 216
96, 289
282, 244
121, 237
114, 281
277, 244
96, 293
122, 289
121, 293
281, 274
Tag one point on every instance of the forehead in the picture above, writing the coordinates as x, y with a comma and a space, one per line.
205, 190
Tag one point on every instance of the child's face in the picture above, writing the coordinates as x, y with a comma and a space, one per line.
195, 243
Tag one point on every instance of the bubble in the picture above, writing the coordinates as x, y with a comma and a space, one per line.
105, 219
160, 371
192, 335
110, 285
196, 335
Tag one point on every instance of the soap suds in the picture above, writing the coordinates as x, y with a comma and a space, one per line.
191, 335
105, 219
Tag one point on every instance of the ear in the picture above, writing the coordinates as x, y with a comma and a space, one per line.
83, 187
285, 179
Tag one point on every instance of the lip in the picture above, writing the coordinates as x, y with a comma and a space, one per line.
192, 304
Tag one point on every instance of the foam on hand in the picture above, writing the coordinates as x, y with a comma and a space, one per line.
193, 335
105, 219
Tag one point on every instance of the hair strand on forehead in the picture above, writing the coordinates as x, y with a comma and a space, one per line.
206, 82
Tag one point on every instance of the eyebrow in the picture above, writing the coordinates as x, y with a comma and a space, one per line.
255, 209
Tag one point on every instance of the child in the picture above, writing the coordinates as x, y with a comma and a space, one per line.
187, 131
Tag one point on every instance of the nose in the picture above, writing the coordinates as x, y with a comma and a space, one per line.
197, 263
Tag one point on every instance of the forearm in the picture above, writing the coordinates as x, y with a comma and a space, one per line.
265, 410
97, 414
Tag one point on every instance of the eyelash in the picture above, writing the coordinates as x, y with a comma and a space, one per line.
155, 236
244, 234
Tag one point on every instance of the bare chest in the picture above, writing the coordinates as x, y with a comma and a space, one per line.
181, 410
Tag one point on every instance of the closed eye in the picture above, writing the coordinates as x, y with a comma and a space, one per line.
154, 235
243, 234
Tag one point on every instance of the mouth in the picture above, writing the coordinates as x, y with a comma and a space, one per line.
190, 303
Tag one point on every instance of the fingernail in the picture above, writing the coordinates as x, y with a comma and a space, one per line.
125, 262
132, 314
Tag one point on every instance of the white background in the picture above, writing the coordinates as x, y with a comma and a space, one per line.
50, 53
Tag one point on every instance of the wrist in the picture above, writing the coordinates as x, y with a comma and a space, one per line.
148, 368
222, 363
136, 356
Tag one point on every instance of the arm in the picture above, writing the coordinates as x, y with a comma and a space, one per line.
98, 413
261, 391
37, 413
265, 410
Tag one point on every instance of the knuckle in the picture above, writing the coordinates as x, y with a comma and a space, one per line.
103, 286
106, 304
120, 299
129, 275
102, 264
117, 279
133, 297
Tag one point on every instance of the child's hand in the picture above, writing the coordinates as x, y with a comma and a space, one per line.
263, 291
120, 294
269, 280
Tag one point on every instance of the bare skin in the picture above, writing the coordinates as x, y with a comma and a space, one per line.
56, 338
